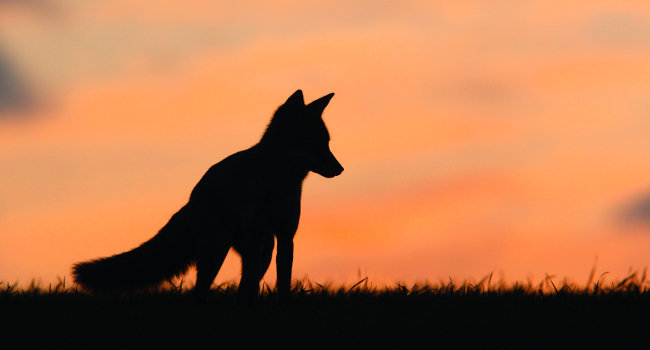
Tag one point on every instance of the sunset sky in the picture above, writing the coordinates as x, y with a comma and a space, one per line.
477, 136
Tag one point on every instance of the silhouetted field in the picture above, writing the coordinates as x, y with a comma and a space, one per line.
484, 314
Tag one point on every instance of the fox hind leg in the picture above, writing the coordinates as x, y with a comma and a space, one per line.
207, 267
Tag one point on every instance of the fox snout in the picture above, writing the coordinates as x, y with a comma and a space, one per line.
335, 170
329, 168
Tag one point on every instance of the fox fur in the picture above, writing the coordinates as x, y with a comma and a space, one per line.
247, 201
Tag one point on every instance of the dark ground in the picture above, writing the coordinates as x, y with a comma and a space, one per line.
439, 317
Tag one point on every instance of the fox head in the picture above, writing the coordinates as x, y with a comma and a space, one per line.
299, 130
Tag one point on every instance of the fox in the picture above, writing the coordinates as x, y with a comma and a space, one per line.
247, 202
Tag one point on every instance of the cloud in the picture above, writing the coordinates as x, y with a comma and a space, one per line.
620, 29
33, 3
15, 96
638, 211
109, 39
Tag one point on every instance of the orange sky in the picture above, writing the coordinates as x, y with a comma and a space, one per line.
506, 137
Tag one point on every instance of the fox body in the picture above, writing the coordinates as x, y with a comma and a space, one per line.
246, 202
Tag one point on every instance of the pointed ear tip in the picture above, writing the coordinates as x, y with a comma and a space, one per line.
296, 93
296, 97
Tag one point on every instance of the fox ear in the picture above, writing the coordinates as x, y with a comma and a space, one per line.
320, 104
295, 99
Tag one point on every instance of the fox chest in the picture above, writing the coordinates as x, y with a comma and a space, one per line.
282, 213
276, 210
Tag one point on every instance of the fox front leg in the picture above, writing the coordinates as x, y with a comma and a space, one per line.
284, 262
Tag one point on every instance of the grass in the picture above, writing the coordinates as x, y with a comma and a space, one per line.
483, 314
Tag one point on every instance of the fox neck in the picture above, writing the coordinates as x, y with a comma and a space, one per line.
288, 165
276, 146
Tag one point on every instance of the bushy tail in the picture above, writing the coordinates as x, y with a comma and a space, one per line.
167, 254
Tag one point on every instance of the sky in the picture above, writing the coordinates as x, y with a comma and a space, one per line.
505, 137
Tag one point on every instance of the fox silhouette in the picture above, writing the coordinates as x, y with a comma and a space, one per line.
247, 201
